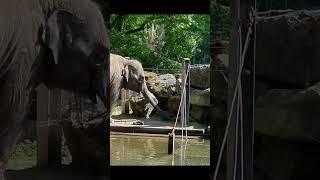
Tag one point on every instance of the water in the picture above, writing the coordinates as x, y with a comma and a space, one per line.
153, 151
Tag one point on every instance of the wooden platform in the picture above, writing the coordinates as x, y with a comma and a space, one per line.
154, 125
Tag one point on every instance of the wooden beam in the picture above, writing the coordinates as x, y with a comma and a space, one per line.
42, 125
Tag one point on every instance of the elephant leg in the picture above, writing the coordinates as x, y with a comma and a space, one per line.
11, 130
14, 102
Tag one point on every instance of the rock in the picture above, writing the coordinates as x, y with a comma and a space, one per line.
173, 104
277, 158
219, 71
200, 114
287, 47
200, 76
289, 114
162, 86
140, 106
200, 97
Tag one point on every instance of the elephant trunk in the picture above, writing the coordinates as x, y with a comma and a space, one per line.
150, 97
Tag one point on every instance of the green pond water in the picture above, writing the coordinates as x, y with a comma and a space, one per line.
153, 151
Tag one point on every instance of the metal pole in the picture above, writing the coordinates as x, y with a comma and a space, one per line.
187, 86
42, 125
55, 130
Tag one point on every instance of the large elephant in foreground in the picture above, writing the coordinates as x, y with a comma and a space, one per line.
61, 43
85, 145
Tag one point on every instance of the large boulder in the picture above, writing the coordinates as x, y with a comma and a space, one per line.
140, 106
200, 76
199, 105
219, 71
200, 97
289, 114
162, 86
287, 48
277, 159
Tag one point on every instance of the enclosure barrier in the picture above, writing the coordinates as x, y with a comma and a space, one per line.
49, 131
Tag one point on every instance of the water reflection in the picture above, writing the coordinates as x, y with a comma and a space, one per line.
152, 151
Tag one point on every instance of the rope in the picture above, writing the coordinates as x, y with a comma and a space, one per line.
183, 91
234, 97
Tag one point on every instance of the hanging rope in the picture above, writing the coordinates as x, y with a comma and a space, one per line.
236, 91
183, 91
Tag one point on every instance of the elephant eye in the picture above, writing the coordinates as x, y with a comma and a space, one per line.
141, 79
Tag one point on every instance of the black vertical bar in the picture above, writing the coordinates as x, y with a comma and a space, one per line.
55, 129
234, 63
248, 90
107, 123
187, 110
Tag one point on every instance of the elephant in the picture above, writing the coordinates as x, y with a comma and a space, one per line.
129, 74
59, 43
85, 144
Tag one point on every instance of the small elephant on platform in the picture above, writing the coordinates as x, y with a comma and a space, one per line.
129, 74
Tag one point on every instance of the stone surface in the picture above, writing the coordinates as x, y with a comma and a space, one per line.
200, 76
287, 48
200, 97
289, 114
140, 106
162, 86
278, 159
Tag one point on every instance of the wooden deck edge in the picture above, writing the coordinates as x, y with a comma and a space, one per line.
155, 130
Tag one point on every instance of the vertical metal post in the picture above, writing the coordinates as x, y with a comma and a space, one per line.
186, 95
234, 63
42, 125
55, 129
186, 64
248, 93
242, 149
124, 101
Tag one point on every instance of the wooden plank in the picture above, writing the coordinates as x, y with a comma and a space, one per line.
55, 129
42, 125
155, 130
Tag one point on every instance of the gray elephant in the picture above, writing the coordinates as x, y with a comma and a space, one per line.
61, 43
129, 74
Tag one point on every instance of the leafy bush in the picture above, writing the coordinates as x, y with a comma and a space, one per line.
161, 40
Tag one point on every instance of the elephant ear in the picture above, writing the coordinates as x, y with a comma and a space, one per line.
125, 73
53, 36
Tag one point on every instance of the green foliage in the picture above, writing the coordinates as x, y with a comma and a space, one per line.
220, 21
161, 40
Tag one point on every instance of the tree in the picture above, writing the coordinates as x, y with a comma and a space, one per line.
161, 40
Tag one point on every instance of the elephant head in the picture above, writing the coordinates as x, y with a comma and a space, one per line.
74, 51
134, 79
